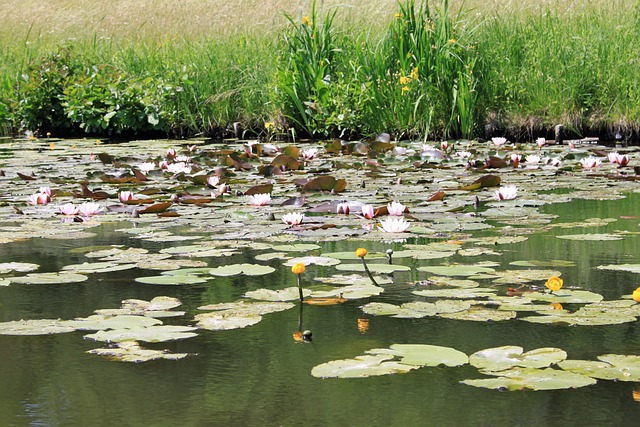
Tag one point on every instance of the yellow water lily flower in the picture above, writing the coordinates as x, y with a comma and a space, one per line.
298, 268
554, 283
636, 295
361, 252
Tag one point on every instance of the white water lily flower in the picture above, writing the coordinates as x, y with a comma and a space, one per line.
179, 167
146, 167
261, 199
541, 142
368, 211
498, 141
68, 209
532, 159
293, 218
39, 199
508, 192
393, 225
395, 208
590, 162
89, 209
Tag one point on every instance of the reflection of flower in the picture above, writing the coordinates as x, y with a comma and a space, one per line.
367, 211
293, 218
68, 209
554, 283
394, 225
89, 209
508, 192
261, 199
395, 208
363, 325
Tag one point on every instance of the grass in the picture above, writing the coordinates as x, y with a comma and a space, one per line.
424, 70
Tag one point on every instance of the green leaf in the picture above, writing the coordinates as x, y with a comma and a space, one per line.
533, 379
246, 269
507, 357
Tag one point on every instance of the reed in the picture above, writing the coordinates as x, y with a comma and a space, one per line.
415, 69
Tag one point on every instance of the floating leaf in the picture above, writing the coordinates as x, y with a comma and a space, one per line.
158, 333
424, 355
465, 293
456, 270
507, 357
591, 237
374, 268
97, 267
35, 327
480, 314
49, 278
22, 267
246, 269
297, 247
130, 351
533, 379
356, 291
287, 294
566, 296
317, 260
361, 367
483, 181
238, 314
633, 268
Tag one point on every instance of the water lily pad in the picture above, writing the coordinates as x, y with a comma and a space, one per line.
566, 296
361, 367
49, 278
538, 263
633, 268
317, 260
35, 327
374, 268
237, 269
97, 267
22, 267
456, 270
523, 276
480, 314
172, 278
288, 294
597, 237
533, 379
298, 247
130, 351
355, 279
158, 333
424, 355
356, 291
97, 322
507, 357
380, 309
239, 314
464, 293
157, 307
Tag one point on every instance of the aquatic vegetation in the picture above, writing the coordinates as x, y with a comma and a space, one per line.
554, 283
261, 199
293, 218
590, 162
508, 192
394, 225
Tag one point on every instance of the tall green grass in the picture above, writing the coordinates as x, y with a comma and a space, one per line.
420, 70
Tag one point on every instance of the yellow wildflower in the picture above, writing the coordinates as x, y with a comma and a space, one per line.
405, 89
405, 80
414, 73
452, 41
269, 126
306, 20
397, 15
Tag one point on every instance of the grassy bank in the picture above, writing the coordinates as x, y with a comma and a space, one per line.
429, 70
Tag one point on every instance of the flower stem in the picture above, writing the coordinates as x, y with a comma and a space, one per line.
364, 263
300, 288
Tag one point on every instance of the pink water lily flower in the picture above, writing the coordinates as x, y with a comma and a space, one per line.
68, 209
532, 160
343, 208
126, 196
368, 211
590, 162
293, 218
39, 199
508, 192
395, 208
46, 190
620, 159
541, 142
515, 160
89, 209
261, 199
171, 153
309, 153
393, 225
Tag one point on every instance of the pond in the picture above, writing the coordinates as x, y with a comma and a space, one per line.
580, 224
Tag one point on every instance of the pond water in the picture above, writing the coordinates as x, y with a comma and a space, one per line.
260, 375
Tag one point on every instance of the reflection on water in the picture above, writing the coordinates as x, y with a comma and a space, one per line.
261, 376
